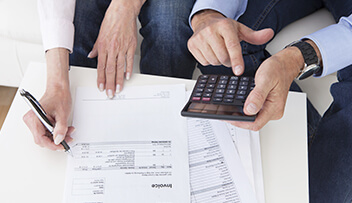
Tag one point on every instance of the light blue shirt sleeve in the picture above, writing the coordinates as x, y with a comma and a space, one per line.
335, 45
229, 8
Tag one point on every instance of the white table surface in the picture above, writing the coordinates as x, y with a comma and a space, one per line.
29, 173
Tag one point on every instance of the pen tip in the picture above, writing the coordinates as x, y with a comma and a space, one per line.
69, 152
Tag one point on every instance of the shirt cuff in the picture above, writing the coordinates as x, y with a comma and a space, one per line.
58, 33
334, 43
229, 8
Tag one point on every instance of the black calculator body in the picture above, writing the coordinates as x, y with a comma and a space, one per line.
219, 97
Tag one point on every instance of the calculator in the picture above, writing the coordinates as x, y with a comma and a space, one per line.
219, 97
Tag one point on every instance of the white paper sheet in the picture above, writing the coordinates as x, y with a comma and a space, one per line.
247, 144
133, 148
216, 171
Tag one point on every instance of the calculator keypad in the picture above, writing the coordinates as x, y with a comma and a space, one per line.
222, 89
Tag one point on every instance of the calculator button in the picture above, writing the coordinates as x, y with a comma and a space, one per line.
242, 87
234, 78
212, 79
203, 81
199, 90
243, 83
204, 76
230, 92
240, 97
207, 95
231, 87
228, 100
233, 82
195, 98
244, 78
197, 94
201, 85
220, 91
224, 77
210, 85
223, 82
209, 90
217, 99
221, 86
206, 99
218, 95
229, 96
241, 92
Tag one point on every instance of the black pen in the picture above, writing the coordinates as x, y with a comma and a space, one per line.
41, 114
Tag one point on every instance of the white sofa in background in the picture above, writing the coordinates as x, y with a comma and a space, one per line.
20, 43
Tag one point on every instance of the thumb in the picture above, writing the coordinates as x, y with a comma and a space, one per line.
60, 131
255, 37
93, 53
256, 99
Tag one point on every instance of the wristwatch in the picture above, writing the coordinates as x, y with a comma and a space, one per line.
311, 60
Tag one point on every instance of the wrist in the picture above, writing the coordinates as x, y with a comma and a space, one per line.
292, 60
132, 7
204, 16
57, 69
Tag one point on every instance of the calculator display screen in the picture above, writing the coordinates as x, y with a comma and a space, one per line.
216, 109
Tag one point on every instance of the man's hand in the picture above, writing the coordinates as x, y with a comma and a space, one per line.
116, 44
56, 102
216, 40
272, 83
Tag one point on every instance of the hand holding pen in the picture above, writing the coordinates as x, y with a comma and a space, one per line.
40, 123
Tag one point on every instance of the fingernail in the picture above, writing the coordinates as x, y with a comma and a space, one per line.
89, 55
238, 70
118, 87
128, 75
110, 94
252, 108
101, 87
58, 139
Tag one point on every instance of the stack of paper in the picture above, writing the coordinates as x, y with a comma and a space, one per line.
137, 148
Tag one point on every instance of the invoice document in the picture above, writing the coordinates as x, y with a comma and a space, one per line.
132, 148
216, 172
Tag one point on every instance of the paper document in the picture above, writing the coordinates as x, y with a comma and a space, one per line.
247, 144
216, 171
133, 148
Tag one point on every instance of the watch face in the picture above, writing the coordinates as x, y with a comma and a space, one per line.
308, 71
